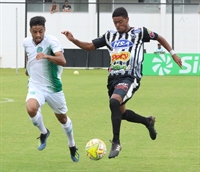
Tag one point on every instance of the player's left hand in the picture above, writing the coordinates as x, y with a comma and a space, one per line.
26, 73
177, 59
69, 35
40, 56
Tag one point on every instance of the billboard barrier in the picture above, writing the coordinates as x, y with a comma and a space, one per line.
163, 64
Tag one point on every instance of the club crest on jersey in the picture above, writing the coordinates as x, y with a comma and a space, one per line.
39, 49
122, 43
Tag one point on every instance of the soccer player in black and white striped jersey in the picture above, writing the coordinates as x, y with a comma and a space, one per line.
125, 46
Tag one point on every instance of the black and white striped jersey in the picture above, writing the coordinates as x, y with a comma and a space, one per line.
126, 50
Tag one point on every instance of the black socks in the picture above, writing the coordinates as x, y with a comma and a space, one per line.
133, 117
116, 118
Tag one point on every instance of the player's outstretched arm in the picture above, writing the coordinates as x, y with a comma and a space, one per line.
83, 45
165, 44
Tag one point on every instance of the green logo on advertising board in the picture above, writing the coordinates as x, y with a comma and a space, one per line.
163, 64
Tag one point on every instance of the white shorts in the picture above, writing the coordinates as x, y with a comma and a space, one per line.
56, 100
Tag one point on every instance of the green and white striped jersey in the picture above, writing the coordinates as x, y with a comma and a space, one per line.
43, 73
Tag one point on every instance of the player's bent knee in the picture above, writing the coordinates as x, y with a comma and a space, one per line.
32, 107
114, 103
32, 111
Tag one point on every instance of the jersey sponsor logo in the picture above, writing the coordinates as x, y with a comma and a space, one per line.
123, 56
151, 34
118, 61
117, 72
122, 43
162, 65
123, 86
118, 67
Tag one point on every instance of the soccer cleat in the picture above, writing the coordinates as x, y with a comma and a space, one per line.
115, 149
74, 154
152, 132
43, 140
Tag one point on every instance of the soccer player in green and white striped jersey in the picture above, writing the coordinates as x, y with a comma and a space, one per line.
45, 61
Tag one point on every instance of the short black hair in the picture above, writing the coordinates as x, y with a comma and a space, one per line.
121, 11
37, 20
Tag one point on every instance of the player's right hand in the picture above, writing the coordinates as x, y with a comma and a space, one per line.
177, 59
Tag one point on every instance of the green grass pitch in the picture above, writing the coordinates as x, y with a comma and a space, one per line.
174, 100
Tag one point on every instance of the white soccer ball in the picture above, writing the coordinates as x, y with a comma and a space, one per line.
95, 149
76, 72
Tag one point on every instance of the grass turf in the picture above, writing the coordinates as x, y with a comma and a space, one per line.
174, 100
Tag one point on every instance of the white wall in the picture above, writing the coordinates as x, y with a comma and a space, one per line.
12, 18
83, 27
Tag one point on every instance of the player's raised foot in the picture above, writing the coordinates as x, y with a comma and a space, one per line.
150, 126
74, 154
115, 149
43, 140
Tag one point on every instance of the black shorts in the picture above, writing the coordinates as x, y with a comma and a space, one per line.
125, 87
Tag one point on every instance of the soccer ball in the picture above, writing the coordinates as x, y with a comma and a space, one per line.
95, 149
76, 72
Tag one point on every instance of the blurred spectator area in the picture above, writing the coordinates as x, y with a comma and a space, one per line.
44, 5
135, 6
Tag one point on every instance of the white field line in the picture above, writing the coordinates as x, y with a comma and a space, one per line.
6, 100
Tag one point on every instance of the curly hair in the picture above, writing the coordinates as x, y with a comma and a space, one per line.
121, 11
37, 20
